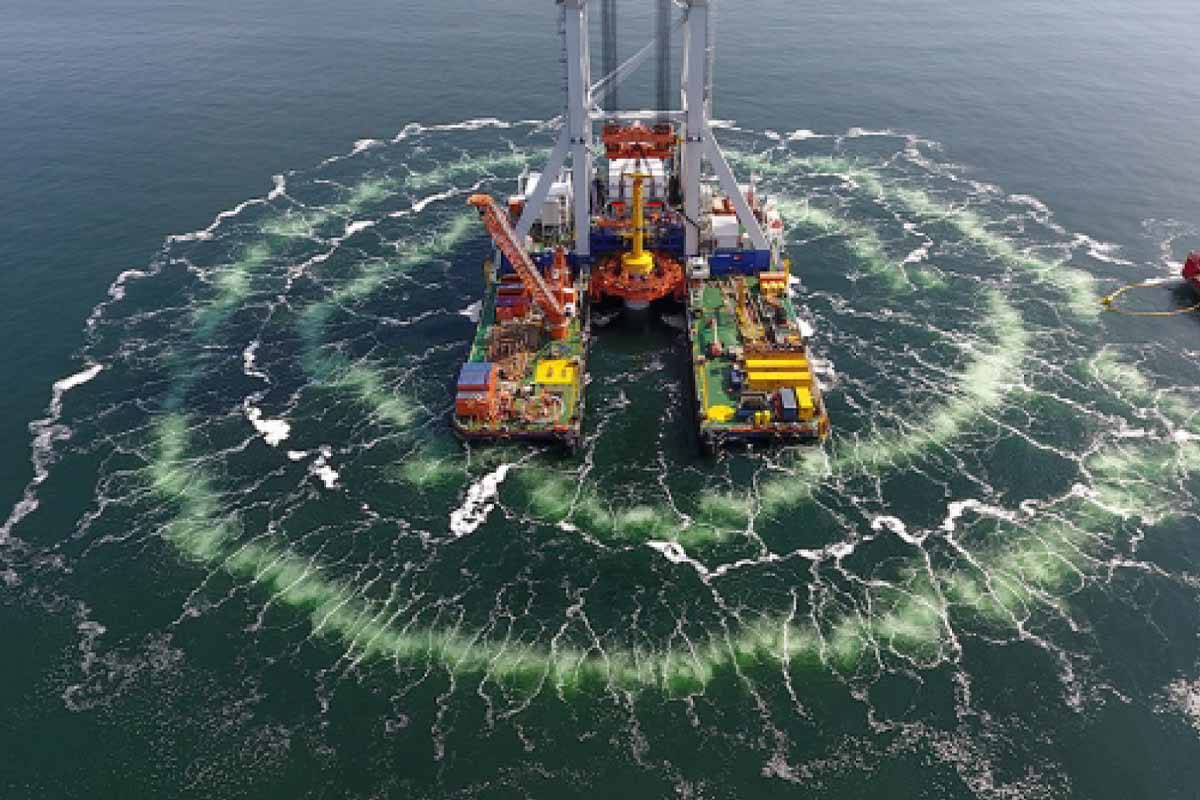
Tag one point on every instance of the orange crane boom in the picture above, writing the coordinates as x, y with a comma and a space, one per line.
506, 239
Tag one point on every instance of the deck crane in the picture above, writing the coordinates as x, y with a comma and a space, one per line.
505, 237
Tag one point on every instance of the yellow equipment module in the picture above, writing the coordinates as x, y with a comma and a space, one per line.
804, 402
555, 372
720, 413
772, 381
763, 364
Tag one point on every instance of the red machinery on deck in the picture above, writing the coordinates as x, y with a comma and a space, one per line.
1191, 270
610, 279
638, 141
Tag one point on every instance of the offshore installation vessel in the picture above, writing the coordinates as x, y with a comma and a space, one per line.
650, 214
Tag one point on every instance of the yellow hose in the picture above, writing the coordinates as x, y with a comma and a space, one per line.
1109, 303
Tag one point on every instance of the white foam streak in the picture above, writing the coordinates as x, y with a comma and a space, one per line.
957, 509
1030, 201
472, 311
116, 293
249, 361
321, 469
358, 226
46, 432
360, 146
896, 526
1184, 698
471, 125
70, 382
674, 552
860, 133
411, 129
424, 202
207, 233
416, 128
480, 500
803, 134
917, 256
1103, 251
327, 474
273, 431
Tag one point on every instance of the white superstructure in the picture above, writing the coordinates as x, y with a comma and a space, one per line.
700, 153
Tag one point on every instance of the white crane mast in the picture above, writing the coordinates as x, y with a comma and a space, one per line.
699, 144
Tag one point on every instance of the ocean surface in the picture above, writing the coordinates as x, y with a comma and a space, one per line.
241, 554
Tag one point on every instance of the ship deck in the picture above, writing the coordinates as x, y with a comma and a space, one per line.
539, 392
721, 336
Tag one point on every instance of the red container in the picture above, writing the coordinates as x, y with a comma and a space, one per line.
475, 405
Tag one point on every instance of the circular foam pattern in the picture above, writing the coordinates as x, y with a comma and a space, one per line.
264, 426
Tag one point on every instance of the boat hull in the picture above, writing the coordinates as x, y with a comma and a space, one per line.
1191, 271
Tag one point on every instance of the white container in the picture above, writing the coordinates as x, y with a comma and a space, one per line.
556, 211
725, 231
620, 178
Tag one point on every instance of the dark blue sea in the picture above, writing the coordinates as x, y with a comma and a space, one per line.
242, 554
